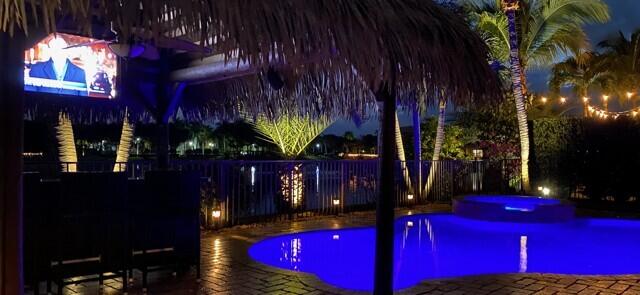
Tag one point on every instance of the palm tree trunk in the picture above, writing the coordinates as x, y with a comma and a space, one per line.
518, 92
401, 155
11, 128
124, 148
437, 149
417, 152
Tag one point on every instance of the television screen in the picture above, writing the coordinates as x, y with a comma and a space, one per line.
71, 65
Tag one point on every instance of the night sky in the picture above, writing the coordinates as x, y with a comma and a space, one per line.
625, 17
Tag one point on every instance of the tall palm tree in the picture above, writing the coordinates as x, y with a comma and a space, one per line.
530, 33
583, 71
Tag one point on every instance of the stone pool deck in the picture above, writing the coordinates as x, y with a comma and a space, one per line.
227, 269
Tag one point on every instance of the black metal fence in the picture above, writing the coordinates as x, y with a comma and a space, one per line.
239, 192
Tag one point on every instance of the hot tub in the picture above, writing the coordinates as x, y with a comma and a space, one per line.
513, 208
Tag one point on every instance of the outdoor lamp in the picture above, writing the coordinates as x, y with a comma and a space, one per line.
410, 197
336, 202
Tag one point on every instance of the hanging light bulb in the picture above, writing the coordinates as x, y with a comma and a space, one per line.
543, 100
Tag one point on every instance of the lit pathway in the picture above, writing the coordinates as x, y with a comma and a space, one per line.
227, 269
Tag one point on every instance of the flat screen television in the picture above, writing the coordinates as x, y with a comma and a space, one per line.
71, 65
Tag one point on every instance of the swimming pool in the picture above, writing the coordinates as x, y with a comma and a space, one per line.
435, 246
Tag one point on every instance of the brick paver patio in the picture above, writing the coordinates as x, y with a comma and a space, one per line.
227, 269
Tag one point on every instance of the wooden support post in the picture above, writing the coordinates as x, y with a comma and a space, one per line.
11, 134
383, 277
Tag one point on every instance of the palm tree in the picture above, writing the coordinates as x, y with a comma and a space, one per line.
67, 144
528, 33
124, 148
290, 133
622, 59
582, 72
437, 147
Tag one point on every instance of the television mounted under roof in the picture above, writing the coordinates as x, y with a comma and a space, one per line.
71, 65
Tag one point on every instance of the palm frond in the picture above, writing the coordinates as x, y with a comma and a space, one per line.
291, 133
555, 27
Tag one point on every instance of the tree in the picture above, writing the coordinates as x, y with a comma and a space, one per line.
622, 59
582, 72
437, 145
528, 33
291, 133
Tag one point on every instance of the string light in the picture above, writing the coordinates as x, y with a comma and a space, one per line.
563, 100
585, 99
630, 95
543, 100
605, 97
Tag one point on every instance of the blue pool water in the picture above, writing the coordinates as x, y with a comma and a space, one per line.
444, 246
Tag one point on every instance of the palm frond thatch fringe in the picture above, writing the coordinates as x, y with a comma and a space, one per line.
67, 144
368, 39
126, 139
291, 133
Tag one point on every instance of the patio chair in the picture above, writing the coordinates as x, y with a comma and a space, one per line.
165, 228
90, 236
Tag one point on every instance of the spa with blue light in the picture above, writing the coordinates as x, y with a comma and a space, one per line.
450, 245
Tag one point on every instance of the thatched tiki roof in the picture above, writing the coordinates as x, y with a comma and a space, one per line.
335, 56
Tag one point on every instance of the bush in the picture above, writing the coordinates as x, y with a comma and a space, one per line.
587, 157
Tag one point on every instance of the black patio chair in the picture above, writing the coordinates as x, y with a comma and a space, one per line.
91, 229
165, 227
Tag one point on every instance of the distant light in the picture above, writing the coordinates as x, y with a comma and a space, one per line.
563, 100
317, 145
585, 99
336, 237
410, 213
539, 188
336, 202
546, 191
543, 100
630, 95
190, 142
605, 97
216, 213
211, 144
410, 196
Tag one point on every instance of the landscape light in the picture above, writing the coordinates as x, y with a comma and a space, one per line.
336, 202
605, 97
216, 213
546, 191
543, 100
630, 95
410, 196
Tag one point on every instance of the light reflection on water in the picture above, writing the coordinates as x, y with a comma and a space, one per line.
457, 247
